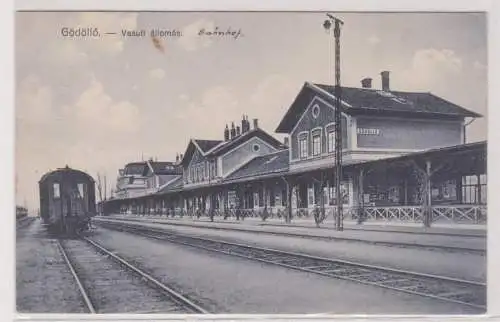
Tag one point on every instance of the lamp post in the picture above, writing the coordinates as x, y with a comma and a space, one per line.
337, 23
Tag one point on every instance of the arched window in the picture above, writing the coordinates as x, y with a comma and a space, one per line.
303, 145
330, 137
316, 141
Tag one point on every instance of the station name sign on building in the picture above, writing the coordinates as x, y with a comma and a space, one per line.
362, 131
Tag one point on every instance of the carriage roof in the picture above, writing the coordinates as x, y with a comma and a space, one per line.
64, 172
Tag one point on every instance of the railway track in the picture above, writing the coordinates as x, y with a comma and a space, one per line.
327, 238
110, 284
24, 222
441, 288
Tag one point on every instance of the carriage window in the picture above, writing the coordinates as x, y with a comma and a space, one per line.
81, 190
57, 192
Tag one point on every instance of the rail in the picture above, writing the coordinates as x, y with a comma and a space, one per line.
186, 304
81, 288
257, 230
447, 289
182, 299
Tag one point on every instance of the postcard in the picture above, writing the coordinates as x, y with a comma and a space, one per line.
254, 163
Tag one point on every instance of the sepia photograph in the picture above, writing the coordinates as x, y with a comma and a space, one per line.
319, 163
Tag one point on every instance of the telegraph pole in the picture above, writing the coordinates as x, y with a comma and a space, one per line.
337, 23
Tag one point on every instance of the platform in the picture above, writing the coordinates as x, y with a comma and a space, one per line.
453, 238
368, 249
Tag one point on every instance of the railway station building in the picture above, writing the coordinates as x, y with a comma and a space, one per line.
145, 177
404, 158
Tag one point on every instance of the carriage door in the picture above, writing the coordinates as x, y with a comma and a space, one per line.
81, 209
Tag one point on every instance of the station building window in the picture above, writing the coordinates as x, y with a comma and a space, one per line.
330, 137
256, 200
444, 191
310, 196
344, 192
316, 142
474, 189
231, 199
213, 169
303, 142
315, 111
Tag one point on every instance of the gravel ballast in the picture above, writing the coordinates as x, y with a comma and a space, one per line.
44, 283
456, 265
227, 284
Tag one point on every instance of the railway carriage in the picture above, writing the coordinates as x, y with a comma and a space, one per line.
67, 200
21, 212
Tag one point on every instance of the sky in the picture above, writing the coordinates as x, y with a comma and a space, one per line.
96, 104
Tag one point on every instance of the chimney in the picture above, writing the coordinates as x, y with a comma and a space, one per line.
177, 158
238, 130
233, 131
366, 82
247, 124
180, 157
226, 134
243, 124
255, 123
385, 81
285, 141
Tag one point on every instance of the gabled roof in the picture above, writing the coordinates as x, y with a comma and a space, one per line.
203, 146
173, 185
167, 178
140, 163
215, 148
273, 163
136, 168
256, 132
207, 145
164, 168
189, 152
367, 101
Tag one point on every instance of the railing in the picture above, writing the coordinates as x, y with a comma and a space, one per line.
394, 213
476, 214
329, 210
473, 214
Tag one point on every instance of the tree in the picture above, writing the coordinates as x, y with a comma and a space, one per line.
99, 190
319, 193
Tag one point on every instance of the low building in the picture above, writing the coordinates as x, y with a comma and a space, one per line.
131, 181
142, 178
403, 157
